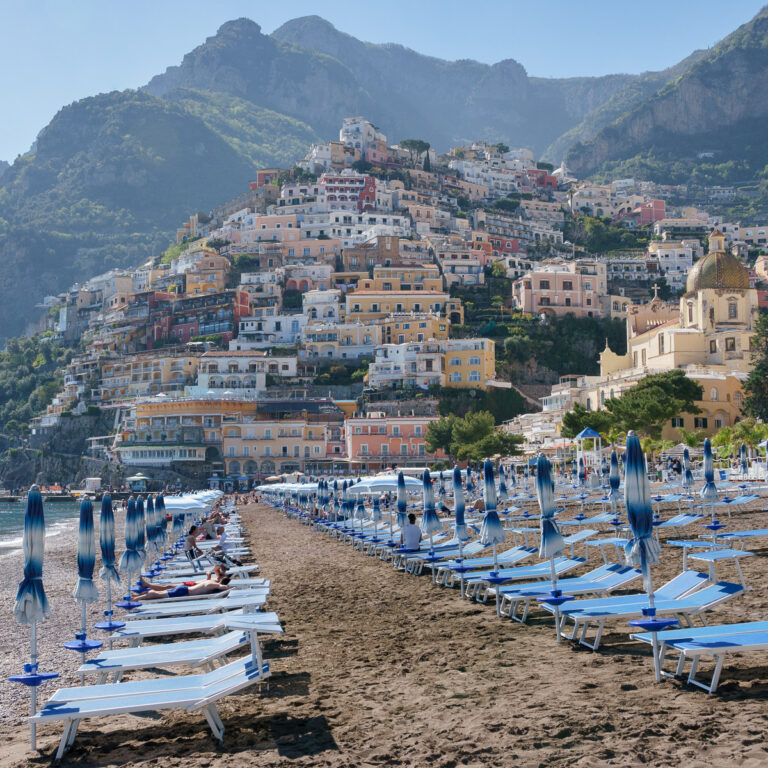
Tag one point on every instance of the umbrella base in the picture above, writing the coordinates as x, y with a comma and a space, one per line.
82, 644
109, 626
555, 597
495, 579
652, 624
127, 604
33, 679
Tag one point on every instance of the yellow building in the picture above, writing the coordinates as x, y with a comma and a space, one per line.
370, 306
388, 279
401, 328
209, 275
469, 363
146, 373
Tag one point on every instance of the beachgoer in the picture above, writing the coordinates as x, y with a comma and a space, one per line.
191, 549
206, 587
410, 537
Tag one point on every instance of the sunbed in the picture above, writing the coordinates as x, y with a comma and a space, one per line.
449, 572
193, 692
585, 613
600, 581
246, 598
477, 584
415, 563
717, 641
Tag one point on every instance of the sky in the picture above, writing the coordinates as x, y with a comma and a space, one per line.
54, 52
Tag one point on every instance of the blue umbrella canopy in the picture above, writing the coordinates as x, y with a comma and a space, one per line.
108, 571
376, 515
470, 482
459, 505
642, 550
551, 540
687, 474
132, 560
85, 590
31, 602
177, 529
614, 478
360, 513
709, 491
152, 526
743, 452
402, 501
491, 532
430, 522
503, 495
582, 471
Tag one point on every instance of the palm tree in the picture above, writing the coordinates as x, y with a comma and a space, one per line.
691, 438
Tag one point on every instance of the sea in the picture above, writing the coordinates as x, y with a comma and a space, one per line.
58, 515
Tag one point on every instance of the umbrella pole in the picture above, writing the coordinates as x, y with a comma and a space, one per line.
461, 560
496, 571
553, 575
33, 688
654, 634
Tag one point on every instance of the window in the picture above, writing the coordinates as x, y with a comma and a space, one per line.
267, 450
403, 450
268, 433
713, 395
544, 285
455, 377
589, 302
738, 399
231, 451
568, 286
474, 376
661, 343
733, 311
384, 450
422, 449
730, 344
700, 422
417, 430
474, 361
678, 422
455, 361
396, 430
713, 346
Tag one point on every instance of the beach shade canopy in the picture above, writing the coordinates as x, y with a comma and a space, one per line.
430, 522
709, 491
642, 550
162, 522
587, 434
743, 453
614, 478
152, 527
132, 559
492, 531
108, 570
85, 590
141, 539
459, 505
551, 539
402, 501
31, 603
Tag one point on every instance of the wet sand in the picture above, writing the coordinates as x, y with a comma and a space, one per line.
382, 669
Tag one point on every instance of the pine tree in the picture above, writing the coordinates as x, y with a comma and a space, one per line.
756, 385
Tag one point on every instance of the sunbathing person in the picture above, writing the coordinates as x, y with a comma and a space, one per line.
205, 587
218, 573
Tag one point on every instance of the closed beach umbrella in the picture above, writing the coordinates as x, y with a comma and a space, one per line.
140, 536
108, 571
85, 590
551, 539
687, 474
152, 527
614, 480
642, 550
161, 520
402, 501
430, 522
360, 512
582, 471
31, 604
177, 529
376, 515
491, 532
132, 559
743, 452
512, 477
503, 495
470, 482
709, 491
459, 506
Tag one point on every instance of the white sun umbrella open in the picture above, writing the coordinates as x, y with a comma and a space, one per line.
552, 543
31, 605
492, 531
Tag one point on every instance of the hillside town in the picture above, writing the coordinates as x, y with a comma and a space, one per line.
313, 323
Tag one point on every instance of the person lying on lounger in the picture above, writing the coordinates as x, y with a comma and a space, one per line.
189, 589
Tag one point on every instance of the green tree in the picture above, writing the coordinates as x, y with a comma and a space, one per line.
580, 418
756, 385
440, 434
415, 148
472, 437
498, 269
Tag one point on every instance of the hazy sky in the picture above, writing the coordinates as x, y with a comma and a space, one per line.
55, 52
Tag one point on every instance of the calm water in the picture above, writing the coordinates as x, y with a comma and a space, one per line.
58, 515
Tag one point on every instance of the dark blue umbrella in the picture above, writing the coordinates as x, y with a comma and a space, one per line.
552, 543
614, 480
108, 571
31, 605
153, 530
430, 522
582, 472
743, 453
162, 520
141, 538
642, 550
687, 474
503, 495
402, 501
460, 527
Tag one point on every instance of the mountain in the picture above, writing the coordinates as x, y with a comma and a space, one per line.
717, 105
111, 177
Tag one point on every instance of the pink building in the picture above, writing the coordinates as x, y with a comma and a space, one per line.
650, 212
378, 441
578, 287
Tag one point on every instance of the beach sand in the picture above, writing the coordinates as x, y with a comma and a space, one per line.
381, 669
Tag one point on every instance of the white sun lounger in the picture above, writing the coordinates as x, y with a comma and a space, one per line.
478, 586
247, 598
194, 692
692, 643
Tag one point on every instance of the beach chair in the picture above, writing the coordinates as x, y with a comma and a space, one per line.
602, 518
192, 693
416, 563
477, 585
449, 573
599, 611
693, 643
736, 535
247, 599
600, 581
141, 629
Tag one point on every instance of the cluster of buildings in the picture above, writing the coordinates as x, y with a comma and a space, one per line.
304, 325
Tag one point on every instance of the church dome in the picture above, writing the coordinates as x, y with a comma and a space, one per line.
718, 269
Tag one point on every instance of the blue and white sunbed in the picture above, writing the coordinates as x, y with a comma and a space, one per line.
716, 641
477, 584
448, 573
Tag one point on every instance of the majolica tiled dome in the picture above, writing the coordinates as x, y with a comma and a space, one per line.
718, 269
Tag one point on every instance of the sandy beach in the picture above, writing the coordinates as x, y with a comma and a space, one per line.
381, 669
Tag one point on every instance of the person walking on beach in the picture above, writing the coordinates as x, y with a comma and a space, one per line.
410, 538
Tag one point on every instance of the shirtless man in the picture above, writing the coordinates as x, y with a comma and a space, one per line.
206, 587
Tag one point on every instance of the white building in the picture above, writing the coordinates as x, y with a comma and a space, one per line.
322, 306
268, 328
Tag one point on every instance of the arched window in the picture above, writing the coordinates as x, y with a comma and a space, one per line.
234, 467
738, 398
455, 376
474, 376
474, 361
713, 395
690, 313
